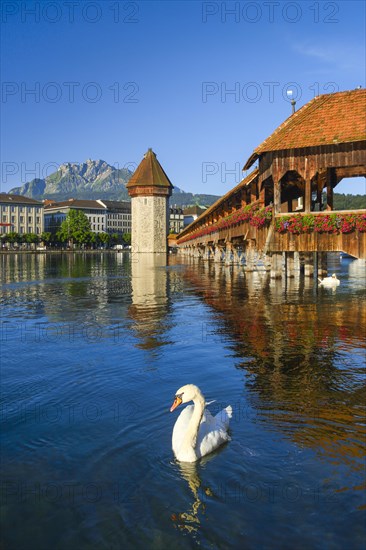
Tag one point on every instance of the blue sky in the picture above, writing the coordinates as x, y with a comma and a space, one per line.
202, 83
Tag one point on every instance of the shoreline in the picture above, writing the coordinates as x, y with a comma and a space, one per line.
62, 251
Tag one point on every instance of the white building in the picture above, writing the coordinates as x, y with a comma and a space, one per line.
118, 218
20, 215
55, 213
176, 219
104, 216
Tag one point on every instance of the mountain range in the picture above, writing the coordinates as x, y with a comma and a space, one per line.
95, 179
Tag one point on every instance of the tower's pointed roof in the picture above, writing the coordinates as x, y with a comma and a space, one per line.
149, 173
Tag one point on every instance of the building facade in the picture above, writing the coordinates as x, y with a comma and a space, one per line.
176, 219
55, 213
104, 216
20, 215
118, 216
191, 213
149, 189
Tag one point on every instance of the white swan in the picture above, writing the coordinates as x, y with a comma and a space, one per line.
196, 432
329, 281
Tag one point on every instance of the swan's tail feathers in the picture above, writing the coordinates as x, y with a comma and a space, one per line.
224, 416
320, 281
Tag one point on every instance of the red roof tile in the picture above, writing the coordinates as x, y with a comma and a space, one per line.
326, 120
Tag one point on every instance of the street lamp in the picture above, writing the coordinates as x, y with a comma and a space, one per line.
292, 100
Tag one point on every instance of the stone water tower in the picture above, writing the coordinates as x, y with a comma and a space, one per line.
149, 189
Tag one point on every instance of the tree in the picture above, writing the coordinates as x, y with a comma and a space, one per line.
12, 237
127, 238
75, 228
46, 237
104, 238
31, 238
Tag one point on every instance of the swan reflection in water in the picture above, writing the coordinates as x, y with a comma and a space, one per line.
190, 472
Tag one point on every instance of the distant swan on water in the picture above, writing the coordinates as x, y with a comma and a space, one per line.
196, 432
329, 281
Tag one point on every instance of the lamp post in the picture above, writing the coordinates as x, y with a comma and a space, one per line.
292, 100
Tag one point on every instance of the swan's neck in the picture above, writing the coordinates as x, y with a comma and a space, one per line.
190, 438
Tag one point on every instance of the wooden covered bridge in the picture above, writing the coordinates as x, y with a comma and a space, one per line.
277, 212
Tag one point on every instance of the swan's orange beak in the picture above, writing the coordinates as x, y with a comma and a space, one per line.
177, 402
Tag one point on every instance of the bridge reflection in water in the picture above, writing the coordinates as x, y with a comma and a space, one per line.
302, 350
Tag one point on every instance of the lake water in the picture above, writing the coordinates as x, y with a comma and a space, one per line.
94, 347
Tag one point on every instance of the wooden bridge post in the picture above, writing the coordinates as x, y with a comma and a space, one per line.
290, 264
297, 263
322, 264
330, 183
236, 255
218, 254
309, 264
307, 201
276, 195
249, 256
276, 265
229, 260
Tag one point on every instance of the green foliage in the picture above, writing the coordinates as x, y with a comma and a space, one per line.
126, 238
349, 202
30, 238
46, 237
12, 237
75, 228
104, 238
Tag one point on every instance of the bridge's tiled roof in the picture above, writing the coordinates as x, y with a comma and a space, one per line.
326, 120
149, 173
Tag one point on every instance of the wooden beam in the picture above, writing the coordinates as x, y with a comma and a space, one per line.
350, 171
331, 181
277, 196
307, 201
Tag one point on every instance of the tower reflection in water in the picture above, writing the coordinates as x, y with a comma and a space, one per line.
149, 308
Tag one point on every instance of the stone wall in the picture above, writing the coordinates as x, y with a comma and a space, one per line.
149, 224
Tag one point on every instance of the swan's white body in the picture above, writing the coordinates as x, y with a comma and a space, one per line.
330, 281
196, 432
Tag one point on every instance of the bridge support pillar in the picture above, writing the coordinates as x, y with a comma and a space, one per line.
218, 254
322, 264
309, 264
290, 264
229, 259
236, 255
249, 256
276, 265
267, 262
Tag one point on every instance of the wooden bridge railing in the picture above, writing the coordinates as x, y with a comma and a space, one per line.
288, 232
